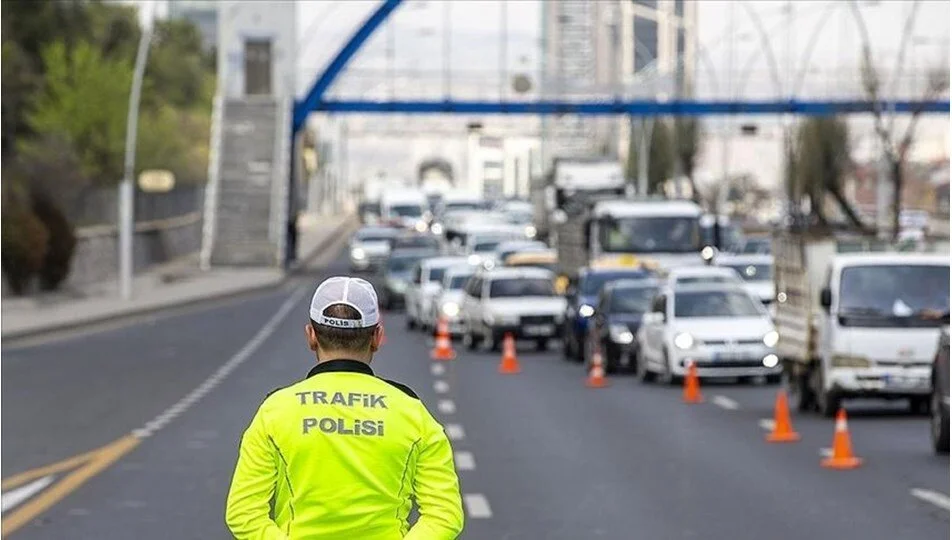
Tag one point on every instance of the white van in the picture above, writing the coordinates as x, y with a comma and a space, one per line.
407, 208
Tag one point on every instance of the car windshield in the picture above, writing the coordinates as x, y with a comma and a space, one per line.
458, 281
731, 237
416, 242
650, 235
593, 283
403, 263
631, 299
753, 272
514, 287
436, 275
473, 205
519, 218
689, 304
482, 247
407, 210
893, 295
756, 245
694, 280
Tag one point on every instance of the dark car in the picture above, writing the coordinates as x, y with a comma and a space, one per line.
395, 275
940, 395
617, 318
581, 296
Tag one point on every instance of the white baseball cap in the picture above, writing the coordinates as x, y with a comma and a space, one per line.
354, 292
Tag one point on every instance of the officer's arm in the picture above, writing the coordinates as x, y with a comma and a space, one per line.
248, 509
436, 487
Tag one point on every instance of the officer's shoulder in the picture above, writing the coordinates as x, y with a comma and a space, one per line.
402, 387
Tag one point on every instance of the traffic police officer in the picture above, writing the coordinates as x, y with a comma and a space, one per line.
341, 453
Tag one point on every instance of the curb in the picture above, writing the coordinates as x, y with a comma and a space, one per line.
9, 338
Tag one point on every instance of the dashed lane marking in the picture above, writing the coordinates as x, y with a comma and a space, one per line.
441, 387
80, 468
932, 497
725, 402
446, 406
766, 423
477, 506
464, 461
455, 432
437, 369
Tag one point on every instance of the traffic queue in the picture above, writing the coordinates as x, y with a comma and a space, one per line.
632, 286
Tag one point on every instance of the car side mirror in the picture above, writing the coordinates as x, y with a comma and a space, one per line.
826, 298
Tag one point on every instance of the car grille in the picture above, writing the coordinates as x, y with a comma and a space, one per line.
735, 342
730, 363
537, 319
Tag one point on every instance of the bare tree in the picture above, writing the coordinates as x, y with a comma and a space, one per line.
895, 148
821, 160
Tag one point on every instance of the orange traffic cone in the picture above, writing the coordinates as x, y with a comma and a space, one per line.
443, 348
509, 365
596, 375
842, 457
783, 429
692, 386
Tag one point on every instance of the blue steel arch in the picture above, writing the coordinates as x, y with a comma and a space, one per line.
314, 99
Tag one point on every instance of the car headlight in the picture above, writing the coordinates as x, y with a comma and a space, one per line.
450, 309
684, 341
531, 231
436, 228
620, 334
474, 259
358, 254
586, 310
771, 338
420, 226
771, 360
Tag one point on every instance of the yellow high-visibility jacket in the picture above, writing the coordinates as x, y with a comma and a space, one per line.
340, 455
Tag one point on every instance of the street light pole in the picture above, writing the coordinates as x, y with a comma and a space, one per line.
127, 188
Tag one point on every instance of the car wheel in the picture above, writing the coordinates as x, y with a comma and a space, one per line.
939, 423
542, 344
920, 404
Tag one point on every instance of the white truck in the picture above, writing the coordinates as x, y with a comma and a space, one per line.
569, 188
657, 232
855, 323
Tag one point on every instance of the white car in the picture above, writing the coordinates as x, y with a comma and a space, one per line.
448, 302
520, 301
425, 284
721, 328
480, 242
369, 247
755, 270
696, 275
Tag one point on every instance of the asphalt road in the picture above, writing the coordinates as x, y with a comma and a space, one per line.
539, 454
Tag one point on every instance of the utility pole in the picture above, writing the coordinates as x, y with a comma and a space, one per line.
127, 187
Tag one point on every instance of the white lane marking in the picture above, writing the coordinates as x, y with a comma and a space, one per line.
934, 497
766, 423
216, 378
437, 369
441, 387
12, 498
446, 406
455, 432
725, 402
826, 452
477, 506
464, 461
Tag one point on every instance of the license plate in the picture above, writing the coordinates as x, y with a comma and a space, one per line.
729, 356
898, 381
539, 330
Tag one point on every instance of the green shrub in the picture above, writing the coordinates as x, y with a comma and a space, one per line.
61, 243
